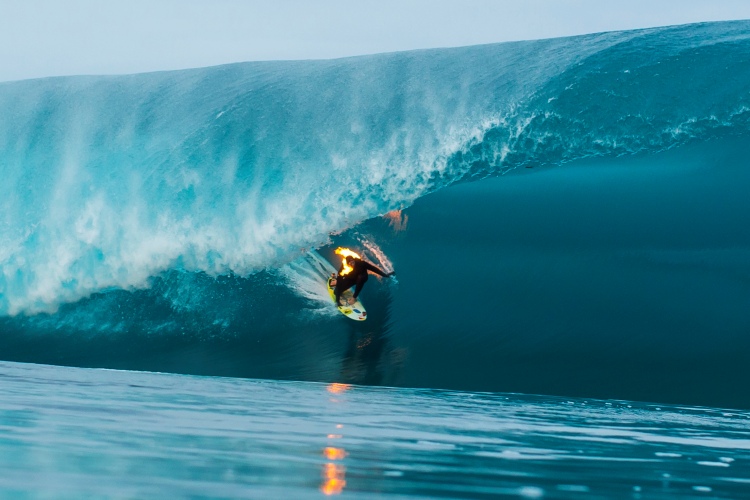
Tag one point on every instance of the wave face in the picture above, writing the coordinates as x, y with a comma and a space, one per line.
163, 221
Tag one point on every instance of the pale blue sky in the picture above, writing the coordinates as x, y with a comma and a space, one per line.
55, 37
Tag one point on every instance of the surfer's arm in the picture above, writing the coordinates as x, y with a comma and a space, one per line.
375, 269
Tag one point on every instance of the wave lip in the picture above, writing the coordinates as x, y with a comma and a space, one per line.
653, 91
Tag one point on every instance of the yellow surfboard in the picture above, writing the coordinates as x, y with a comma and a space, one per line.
355, 311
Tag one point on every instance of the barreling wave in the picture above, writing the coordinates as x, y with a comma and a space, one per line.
184, 221
108, 182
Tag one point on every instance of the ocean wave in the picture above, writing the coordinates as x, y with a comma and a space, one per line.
108, 182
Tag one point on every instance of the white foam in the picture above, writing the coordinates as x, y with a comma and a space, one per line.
307, 276
376, 255
530, 492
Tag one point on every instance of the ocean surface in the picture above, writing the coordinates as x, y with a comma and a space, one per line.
93, 433
566, 217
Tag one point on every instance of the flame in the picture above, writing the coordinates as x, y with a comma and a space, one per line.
345, 252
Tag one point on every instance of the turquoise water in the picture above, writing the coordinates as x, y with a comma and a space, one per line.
75, 433
565, 217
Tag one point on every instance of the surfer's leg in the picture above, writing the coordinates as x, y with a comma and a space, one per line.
342, 285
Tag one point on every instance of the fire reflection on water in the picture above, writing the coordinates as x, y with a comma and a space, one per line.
333, 479
338, 388
397, 220
334, 473
332, 453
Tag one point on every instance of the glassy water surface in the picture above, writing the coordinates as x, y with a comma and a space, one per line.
74, 432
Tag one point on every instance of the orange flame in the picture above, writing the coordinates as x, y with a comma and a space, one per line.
345, 252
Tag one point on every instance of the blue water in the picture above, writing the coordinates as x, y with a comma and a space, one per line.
73, 433
565, 217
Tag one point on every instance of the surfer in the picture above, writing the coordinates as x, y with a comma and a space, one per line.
353, 271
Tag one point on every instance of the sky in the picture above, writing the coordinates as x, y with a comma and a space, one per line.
40, 38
